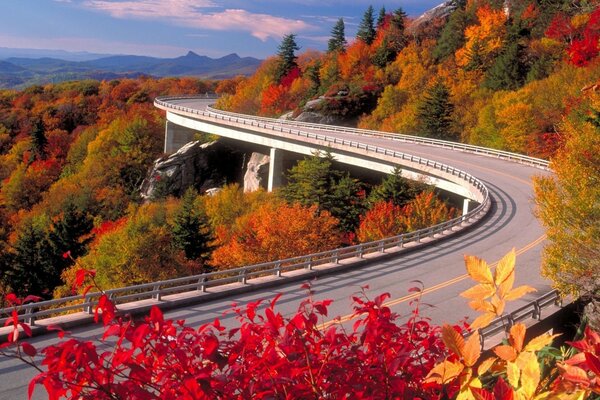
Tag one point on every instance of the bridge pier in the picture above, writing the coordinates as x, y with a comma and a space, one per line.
176, 136
275, 169
465, 209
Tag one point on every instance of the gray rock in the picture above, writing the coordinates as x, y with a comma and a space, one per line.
441, 11
257, 172
202, 166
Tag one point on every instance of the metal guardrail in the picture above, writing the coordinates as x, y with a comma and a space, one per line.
531, 310
520, 158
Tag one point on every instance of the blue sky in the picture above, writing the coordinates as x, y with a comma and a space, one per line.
168, 28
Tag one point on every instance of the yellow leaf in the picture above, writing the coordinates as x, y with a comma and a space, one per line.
519, 292
530, 373
444, 372
478, 270
539, 342
505, 287
505, 268
485, 365
453, 340
480, 305
513, 374
507, 353
479, 292
472, 350
517, 336
483, 320
499, 305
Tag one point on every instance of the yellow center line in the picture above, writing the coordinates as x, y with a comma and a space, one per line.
412, 296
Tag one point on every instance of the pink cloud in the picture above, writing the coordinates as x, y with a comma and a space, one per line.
192, 13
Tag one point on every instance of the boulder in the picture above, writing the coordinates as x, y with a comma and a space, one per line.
201, 165
257, 172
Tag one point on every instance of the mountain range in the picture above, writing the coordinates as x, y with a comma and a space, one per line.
25, 70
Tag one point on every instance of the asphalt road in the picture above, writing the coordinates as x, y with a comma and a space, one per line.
510, 223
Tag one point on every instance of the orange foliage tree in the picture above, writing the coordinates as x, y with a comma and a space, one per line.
275, 232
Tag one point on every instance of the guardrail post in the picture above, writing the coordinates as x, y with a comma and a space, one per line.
29, 317
88, 305
401, 244
336, 257
201, 284
382, 247
418, 237
243, 277
156, 296
278, 269
360, 252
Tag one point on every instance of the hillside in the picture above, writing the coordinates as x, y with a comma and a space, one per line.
25, 71
494, 73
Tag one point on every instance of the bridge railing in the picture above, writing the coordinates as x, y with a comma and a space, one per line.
520, 158
532, 310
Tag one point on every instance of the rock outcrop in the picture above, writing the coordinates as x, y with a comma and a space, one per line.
441, 11
202, 166
257, 172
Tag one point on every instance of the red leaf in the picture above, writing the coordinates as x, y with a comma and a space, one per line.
26, 329
593, 363
67, 254
502, 391
13, 299
28, 349
156, 315
274, 301
31, 299
211, 344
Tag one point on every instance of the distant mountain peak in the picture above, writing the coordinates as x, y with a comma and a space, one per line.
192, 54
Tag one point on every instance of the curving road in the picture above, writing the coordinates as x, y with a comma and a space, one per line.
510, 223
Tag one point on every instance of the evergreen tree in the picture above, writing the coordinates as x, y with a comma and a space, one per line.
508, 71
475, 58
38, 139
314, 181
191, 231
435, 113
452, 37
287, 55
338, 37
396, 188
31, 270
381, 17
366, 29
398, 18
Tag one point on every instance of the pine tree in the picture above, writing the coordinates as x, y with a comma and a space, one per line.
452, 37
314, 181
287, 55
396, 189
508, 71
398, 18
338, 37
435, 113
381, 17
191, 231
366, 29
38, 139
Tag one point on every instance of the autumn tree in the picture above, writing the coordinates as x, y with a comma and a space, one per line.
436, 112
568, 207
366, 29
274, 232
286, 53
384, 219
337, 42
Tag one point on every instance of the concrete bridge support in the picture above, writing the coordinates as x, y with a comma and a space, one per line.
176, 136
275, 169
465, 209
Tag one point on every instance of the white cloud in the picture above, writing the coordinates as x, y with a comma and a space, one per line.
197, 14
